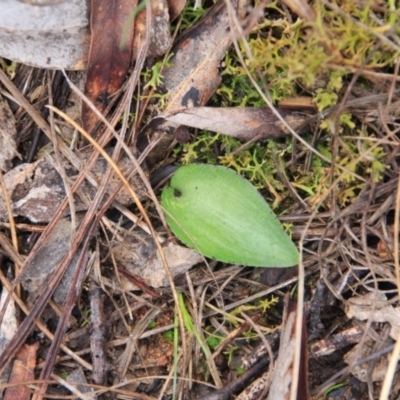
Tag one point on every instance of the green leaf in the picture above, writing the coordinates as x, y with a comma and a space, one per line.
221, 215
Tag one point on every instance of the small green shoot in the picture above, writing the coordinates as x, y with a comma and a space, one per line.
86, 315
229, 353
187, 320
176, 357
153, 76
169, 335
213, 340
152, 325
332, 389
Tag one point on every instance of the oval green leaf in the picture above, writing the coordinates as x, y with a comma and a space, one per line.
221, 215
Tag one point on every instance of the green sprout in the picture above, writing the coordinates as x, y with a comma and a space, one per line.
169, 335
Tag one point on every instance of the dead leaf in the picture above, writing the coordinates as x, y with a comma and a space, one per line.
241, 123
384, 250
362, 350
78, 379
37, 273
193, 76
109, 54
138, 254
374, 306
52, 36
160, 39
8, 134
22, 371
36, 190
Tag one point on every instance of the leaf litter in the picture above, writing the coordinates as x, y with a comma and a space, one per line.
346, 225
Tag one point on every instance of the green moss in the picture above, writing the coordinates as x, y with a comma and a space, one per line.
316, 59
213, 340
256, 163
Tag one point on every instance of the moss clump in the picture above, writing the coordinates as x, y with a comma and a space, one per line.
316, 59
